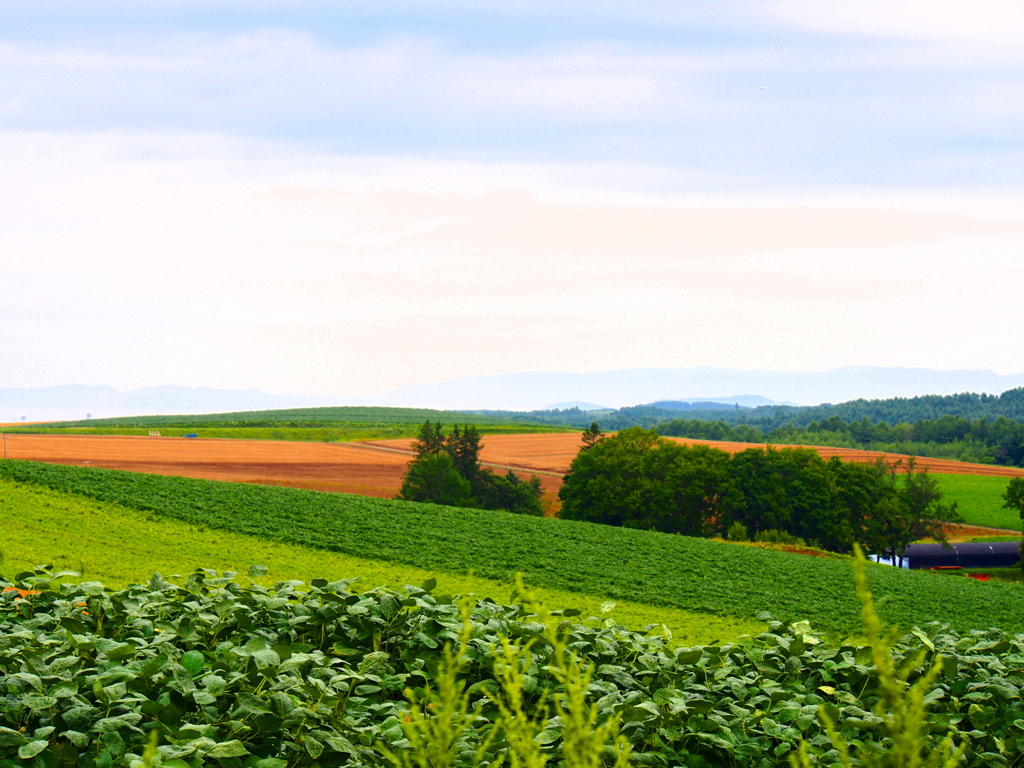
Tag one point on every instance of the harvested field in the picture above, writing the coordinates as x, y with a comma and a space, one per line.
362, 468
367, 468
341, 467
555, 452
958, 532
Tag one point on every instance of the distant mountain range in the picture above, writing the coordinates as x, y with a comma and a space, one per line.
615, 389
524, 391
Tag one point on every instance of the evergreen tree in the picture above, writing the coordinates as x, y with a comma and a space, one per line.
592, 435
447, 471
430, 439
432, 477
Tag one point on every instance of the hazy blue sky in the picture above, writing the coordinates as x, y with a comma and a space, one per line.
349, 197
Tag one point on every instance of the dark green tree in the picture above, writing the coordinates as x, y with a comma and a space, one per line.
523, 497
430, 439
864, 499
1013, 496
636, 479
464, 448
432, 477
923, 497
791, 490
705, 498
618, 481
447, 470
592, 435
917, 510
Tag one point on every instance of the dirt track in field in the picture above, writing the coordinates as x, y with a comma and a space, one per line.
367, 468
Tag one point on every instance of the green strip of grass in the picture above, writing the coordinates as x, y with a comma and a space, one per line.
322, 434
309, 417
119, 546
623, 564
979, 499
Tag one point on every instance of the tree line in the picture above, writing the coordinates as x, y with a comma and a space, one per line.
951, 437
639, 479
447, 471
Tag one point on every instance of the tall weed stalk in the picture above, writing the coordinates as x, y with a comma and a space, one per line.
902, 706
441, 719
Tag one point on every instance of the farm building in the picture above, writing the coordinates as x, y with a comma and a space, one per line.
971, 554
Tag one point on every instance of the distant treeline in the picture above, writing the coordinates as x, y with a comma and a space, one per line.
977, 440
987, 429
967, 427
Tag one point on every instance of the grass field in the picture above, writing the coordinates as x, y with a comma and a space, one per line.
980, 500
622, 564
118, 546
320, 433
369, 416
339, 424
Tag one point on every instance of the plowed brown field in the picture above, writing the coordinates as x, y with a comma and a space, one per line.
343, 467
370, 469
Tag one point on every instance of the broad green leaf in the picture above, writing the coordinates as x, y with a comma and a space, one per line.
77, 738
33, 748
11, 738
233, 748
193, 662
39, 702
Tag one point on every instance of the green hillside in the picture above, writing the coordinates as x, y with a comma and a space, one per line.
309, 424
979, 500
621, 564
107, 542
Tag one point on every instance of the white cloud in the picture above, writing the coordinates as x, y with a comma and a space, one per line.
992, 21
239, 268
276, 71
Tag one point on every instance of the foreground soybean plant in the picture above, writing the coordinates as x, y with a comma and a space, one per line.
317, 675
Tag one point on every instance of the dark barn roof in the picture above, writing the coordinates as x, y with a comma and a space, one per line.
971, 554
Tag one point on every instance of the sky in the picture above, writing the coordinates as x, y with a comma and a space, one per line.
345, 198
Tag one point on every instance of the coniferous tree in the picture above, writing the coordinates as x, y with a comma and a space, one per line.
447, 470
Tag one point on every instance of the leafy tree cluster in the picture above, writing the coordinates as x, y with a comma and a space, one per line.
447, 471
638, 479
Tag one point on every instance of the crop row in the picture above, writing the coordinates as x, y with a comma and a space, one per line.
118, 546
640, 566
326, 432
296, 417
314, 676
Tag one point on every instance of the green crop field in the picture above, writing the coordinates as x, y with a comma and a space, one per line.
321, 424
208, 673
340, 432
106, 542
622, 564
979, 499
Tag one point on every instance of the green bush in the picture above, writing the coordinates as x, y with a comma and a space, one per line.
779, 537
738, 532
